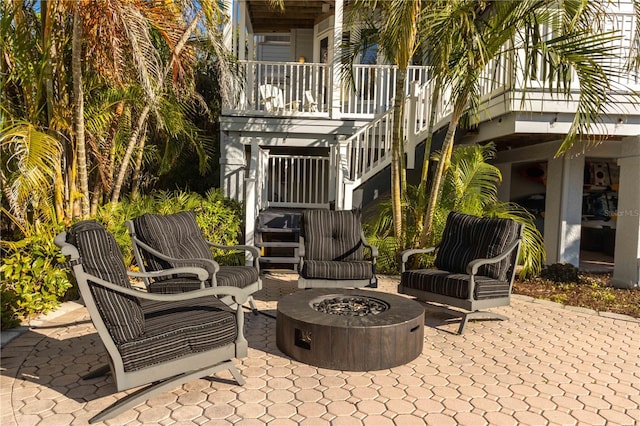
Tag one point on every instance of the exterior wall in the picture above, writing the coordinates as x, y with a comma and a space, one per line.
301, 44
232, 166
563, 220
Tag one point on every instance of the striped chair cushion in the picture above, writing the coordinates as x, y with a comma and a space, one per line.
176, 235
332, 235
466, 238
100, 256
454, 285
330, 270
175, 329
175, 285
237, 276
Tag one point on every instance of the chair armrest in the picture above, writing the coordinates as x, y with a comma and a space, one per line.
201, 273
474, 265
212, 264
237, 294
374, 249
251, 249
406, 254
301, 250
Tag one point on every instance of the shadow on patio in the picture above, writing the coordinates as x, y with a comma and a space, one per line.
546, 364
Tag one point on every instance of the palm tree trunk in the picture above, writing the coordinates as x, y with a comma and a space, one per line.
133, 141
81, 151
142, 119
135, 185
434, 195
396, 156
435, 101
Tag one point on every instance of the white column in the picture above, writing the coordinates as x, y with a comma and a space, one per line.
251, 197
229, 28
232, 167
343, 199
627, 251
242, 30
504, 189
337, 40
410, 114
563, 211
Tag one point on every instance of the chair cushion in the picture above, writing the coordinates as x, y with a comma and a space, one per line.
332, 270
176, 235
175, 329
236, 276
454, 285
466, 238
100, 256
332, 235
175, 285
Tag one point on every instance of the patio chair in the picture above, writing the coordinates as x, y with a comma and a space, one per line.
272, 98
331, 251
170, 241
475, 267
310, 103
158, 340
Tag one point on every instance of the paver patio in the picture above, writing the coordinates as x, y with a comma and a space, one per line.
546, 365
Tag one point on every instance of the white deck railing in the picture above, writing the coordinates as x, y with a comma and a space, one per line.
292, 88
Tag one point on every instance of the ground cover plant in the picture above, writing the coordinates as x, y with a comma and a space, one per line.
563, 283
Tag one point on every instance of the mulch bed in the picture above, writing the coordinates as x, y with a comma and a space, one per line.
593, 291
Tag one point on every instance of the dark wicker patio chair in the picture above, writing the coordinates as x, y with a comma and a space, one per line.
331, 251
159, 340
475, 264
169, 241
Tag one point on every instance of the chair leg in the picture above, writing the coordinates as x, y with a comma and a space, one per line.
144, 394
98, 372
252, 303
479, 314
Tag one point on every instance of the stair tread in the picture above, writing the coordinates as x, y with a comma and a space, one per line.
279, 230
278, 244
272, 259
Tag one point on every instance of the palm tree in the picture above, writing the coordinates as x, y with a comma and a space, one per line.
469, 186
396, 26
471, 33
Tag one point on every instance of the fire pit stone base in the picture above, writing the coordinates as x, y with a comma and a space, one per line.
374, 340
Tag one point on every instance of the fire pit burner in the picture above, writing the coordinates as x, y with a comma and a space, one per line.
353, 306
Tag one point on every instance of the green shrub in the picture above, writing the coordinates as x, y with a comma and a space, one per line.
30, 282
560, 273
219, 218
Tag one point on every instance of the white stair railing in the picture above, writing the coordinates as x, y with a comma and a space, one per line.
298, 181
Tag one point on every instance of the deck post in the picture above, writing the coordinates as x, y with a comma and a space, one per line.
250, 200
411, 120
335, 74
626, 270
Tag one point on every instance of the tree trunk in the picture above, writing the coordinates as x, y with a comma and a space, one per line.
135, 186
435, 101
423, 187
78, 98
133, 141
434, 195
396, 156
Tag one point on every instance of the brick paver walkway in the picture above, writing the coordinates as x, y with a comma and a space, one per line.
547, 365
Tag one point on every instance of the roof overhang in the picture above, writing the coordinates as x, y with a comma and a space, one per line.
296, 14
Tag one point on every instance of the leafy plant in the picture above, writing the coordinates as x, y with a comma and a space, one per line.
470, 186
29, 279
219, 218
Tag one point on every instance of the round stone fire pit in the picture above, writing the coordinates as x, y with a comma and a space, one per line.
353, 330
